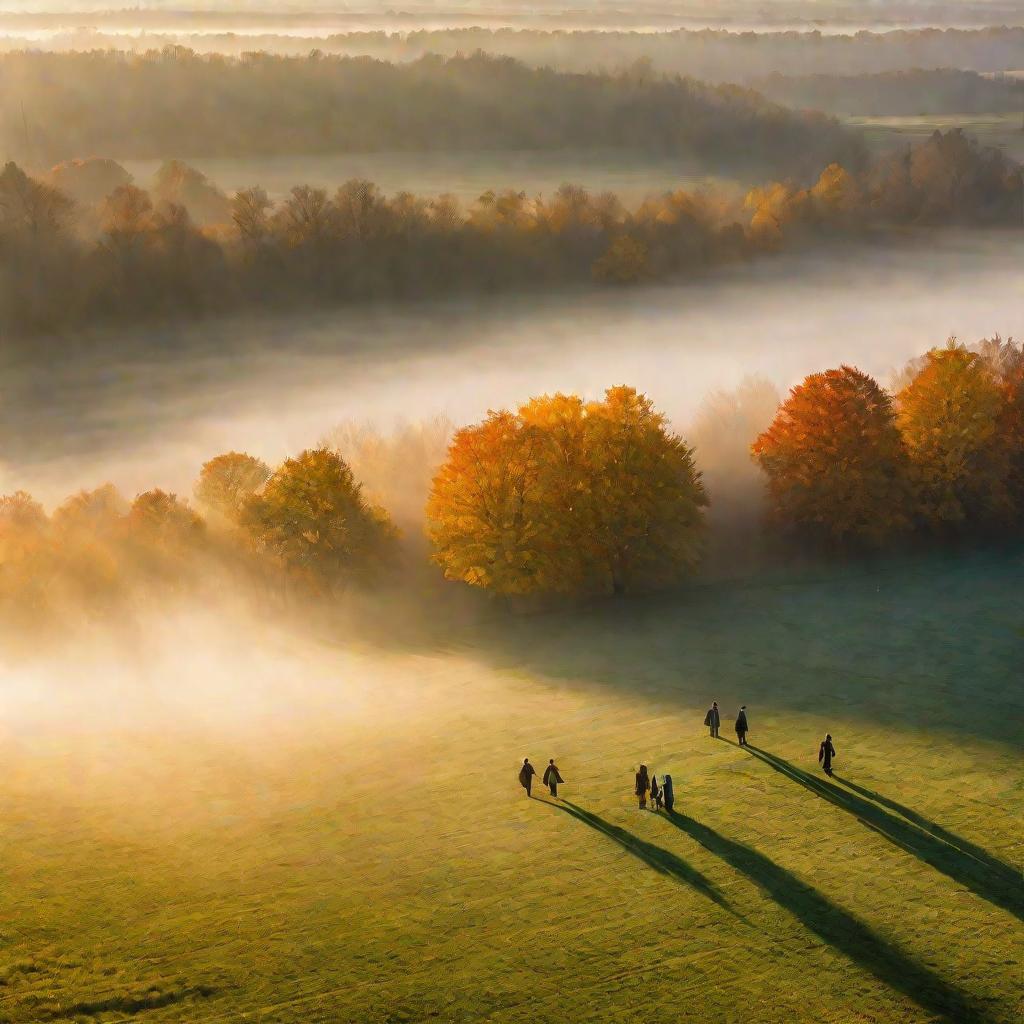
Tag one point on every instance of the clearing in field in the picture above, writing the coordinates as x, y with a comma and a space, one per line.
241, 824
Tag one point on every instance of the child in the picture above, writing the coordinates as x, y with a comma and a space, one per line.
656, 796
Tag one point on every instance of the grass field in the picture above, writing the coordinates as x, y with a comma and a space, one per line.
336, 833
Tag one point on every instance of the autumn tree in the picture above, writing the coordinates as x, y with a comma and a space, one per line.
228, 481
25, 553
177, 183
480, 504
950, 417
624, 262
645, 524
568, 497
161, 520
835, 463
311, 515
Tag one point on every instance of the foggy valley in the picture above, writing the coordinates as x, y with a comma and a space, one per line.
390, 395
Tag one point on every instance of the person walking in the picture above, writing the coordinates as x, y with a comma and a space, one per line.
825, 754
655, 793
666, 792
643, 784
713, 719
526, 774
552, 778
741, 726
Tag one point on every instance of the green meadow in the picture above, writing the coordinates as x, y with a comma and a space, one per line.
355, 846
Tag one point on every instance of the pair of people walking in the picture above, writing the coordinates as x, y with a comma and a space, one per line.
713, 720
661, 796
551, 778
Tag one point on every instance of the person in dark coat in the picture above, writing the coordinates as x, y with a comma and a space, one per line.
643, 784
825, 754
713, 719
741, 726
552, 778
656, 796
526, 774
667, 793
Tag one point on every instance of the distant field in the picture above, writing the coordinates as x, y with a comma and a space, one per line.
1005, 131
466, 175
335, 833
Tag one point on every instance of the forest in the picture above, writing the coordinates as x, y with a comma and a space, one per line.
562, 497
712, 54
61, 106
895, 93
134, 257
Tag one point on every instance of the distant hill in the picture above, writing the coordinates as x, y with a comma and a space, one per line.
176, 103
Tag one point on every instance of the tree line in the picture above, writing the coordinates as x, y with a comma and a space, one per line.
890, 93
63, 105
561, 497
714, 55
132, 257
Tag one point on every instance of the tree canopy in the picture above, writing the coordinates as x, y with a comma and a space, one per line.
950, 416
568, 497
835, 462
312, 517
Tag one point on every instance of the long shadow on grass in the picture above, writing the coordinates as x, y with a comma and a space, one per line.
984, 875
839, 928
653, 856
965, 846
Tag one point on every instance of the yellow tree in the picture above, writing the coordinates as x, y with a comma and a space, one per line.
228, 481
567, 497
950, 416
312, 517
836, 466
481, 513
644, 524
26, 562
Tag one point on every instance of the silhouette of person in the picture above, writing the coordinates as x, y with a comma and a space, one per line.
656, 796
825, 754
643, 784
526, 774
713, 719
667, 793
741, 726
552, 778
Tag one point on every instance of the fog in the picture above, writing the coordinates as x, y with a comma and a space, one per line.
465, 175
272, 387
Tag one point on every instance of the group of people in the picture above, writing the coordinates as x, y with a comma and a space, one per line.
661, 796
551, 777
646, 784
713, 720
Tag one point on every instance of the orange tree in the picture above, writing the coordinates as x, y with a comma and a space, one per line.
311, 516
228, 481
836, 467
568, 497
950, 417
